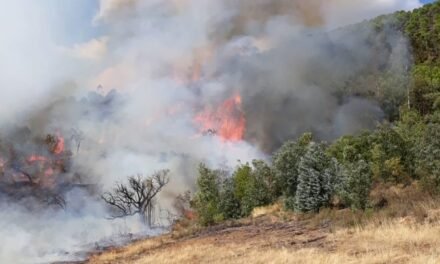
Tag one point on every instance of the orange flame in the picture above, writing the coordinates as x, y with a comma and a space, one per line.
35, 158
59, 147
47, 166
227, 121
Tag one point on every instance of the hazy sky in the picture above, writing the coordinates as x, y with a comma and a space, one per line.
77, 16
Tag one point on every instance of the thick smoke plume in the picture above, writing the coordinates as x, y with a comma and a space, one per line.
169, 84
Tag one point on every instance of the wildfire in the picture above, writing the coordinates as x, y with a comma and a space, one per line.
45, 164
227, 120
59, 146
36, 158
46, 167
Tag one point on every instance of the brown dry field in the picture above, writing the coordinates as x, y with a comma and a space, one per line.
403, 233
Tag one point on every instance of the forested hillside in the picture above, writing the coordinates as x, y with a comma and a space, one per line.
422, 28
308, 175
410, 77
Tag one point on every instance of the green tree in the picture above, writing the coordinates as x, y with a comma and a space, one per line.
266, 181
315, 180
242, 179
253, 186
429, 159
348, 149
354, 184
425, 93
229, 204
207, 197
286, 161
390, 154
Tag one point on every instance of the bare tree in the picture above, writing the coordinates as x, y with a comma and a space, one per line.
137, 198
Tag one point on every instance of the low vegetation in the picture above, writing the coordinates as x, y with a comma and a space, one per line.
405, 231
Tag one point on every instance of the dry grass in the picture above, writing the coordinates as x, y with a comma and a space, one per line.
407, 231
393, 242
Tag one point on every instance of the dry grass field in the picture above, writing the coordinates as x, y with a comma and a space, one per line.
407, 231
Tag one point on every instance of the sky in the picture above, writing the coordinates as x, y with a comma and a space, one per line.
77, 17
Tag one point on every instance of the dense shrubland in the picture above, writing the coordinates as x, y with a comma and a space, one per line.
307, 175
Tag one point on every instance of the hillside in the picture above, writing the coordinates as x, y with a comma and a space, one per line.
407, 232
270, 128
381, 204
393, 242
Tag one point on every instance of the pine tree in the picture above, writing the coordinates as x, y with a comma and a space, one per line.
315, 180
286, 161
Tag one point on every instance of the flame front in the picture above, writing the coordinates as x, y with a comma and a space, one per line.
227, 120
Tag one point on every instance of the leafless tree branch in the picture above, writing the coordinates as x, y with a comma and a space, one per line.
137, 197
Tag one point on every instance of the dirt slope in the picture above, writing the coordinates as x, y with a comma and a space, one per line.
221, 244
268, 240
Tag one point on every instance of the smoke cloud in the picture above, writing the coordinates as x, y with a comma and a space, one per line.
134, 93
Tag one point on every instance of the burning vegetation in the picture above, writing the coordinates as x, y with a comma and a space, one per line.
188, 81
227, 120
36, 166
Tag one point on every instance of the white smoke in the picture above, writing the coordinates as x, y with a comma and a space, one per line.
27, 72
148, 52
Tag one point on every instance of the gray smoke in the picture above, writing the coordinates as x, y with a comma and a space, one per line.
133, 93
